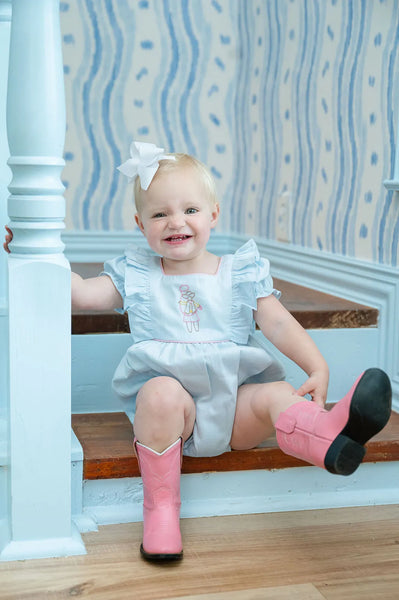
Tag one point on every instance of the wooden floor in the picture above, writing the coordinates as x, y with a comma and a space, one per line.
340, 554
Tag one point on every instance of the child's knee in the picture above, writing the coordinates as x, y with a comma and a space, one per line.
162, 395
275, 390
283, 387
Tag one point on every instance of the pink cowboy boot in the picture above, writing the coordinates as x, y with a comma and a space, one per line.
334, 439
160, 473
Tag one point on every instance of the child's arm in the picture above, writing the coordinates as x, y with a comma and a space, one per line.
96, 293
284, 332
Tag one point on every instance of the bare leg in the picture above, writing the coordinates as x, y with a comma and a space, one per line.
165, 411
258, 408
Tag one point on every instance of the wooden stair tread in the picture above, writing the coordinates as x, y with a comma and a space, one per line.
313, 309
107, 441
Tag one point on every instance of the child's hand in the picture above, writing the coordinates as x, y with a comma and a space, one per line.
8, 240
316, 385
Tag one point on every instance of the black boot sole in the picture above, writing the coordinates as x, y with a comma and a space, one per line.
160, 557
369, 412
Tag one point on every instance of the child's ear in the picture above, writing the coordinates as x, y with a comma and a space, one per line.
139, 222
215, 215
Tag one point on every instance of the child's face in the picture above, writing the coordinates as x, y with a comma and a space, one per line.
176, 216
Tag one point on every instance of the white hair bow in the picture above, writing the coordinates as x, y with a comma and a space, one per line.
144, 162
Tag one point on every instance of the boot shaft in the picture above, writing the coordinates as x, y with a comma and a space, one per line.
160, 473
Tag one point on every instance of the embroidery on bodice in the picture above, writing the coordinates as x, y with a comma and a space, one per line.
189, 308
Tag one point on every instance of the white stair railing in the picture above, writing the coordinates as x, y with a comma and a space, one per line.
5, 176
39, 472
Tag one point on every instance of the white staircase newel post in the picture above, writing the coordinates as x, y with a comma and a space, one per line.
39, 291
5, 176
5, 173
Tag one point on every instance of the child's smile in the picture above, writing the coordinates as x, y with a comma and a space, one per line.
177, 239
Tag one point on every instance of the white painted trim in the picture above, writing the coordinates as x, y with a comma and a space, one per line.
392, 184
45, 548
51, 547
76, 448
204, 495
357, 280
99, 246
4, 443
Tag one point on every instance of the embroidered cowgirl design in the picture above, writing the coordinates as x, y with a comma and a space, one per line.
189, 308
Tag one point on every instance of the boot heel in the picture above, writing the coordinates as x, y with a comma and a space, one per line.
344, 456
370, 407
159, 557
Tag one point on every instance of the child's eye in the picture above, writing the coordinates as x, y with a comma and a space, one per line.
158, 215
191, 211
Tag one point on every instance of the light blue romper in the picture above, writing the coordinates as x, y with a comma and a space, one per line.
197, 328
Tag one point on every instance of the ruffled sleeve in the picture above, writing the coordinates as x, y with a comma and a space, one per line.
139, 264
137, 281
131, 276
251, 277
115, 269
251, 280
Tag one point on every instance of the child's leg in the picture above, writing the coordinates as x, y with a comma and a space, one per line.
258, 408
165, 415
331, 439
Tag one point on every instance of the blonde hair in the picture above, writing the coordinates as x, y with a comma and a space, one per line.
181, 161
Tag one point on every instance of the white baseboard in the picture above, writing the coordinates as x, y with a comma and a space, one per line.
357, 280
44, 548
247, 492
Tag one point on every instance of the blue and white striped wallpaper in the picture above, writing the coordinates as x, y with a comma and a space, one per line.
293, 100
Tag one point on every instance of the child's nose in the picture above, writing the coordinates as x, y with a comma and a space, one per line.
176, 221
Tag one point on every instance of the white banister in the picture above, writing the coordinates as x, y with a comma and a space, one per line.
5, 176
39, 292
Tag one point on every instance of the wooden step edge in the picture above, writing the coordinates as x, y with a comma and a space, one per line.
108, 450
83, 323
334, 319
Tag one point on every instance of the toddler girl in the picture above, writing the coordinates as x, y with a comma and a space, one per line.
202, 382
